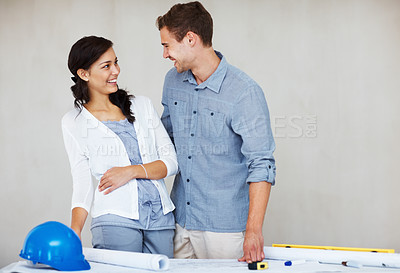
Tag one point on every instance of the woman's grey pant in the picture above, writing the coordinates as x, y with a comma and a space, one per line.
132, 239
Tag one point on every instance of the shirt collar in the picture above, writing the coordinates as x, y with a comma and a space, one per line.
214, 82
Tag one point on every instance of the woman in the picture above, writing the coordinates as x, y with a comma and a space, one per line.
119, 140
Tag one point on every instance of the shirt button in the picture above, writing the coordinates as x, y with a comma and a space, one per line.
192, 134
194, 112
188, 203
190, 157
188, 180
176, 103
269, 166
212, 114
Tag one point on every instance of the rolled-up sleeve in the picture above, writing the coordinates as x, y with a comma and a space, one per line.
83, 189
250, 120
165, 148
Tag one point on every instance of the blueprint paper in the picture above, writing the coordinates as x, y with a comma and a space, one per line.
156, 262
333, 256
27, 267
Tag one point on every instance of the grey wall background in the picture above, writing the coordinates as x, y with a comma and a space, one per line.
330, 72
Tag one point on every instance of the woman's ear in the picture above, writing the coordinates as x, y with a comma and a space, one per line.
83, 74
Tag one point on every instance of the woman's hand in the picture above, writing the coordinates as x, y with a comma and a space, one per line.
119, 176
78, 232
78, 220
115, 178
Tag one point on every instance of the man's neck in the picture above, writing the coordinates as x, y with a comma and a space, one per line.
206, 64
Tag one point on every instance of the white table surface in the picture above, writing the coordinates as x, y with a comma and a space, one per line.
206, 266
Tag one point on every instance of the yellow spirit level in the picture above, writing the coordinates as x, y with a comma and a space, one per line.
380, 250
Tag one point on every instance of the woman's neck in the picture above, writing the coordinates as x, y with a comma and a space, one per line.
103, 109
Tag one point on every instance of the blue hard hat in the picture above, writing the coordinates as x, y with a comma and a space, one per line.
54, 244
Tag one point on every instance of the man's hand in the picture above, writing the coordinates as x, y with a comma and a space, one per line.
115, 178
253, 247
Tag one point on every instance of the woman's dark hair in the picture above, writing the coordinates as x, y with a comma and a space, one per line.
83, 54
191, 16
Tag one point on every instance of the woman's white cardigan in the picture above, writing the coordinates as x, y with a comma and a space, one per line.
93, 149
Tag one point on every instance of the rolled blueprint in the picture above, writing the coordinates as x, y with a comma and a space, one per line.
155, 262
334, 256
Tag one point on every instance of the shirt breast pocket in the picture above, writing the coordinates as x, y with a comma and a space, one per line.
177, 110
213, 123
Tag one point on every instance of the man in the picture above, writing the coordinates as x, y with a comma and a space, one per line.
218, 119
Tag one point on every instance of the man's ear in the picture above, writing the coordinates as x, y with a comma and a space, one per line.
192, 38
83, 74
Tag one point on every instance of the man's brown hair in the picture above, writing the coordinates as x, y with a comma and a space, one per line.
191, 16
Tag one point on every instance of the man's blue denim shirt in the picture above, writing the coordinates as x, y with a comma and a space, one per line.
222, 134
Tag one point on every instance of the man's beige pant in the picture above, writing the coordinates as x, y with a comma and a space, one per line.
197, 244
